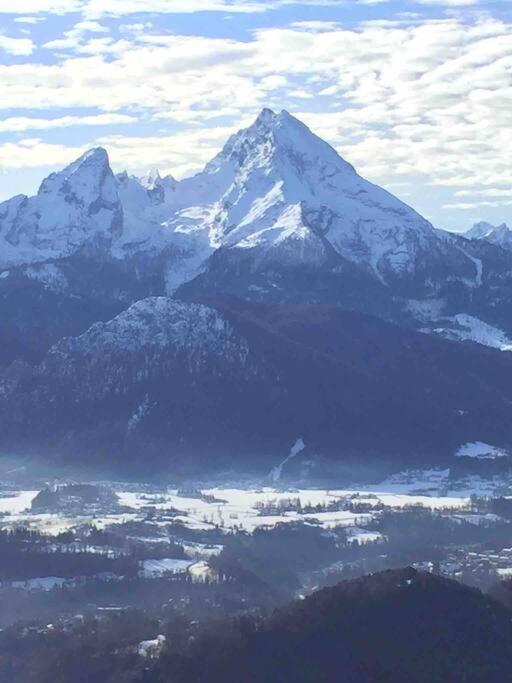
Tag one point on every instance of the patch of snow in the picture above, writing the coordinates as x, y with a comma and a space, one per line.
151, 569
152, 649
200, 551
16, 502
361, 536
478, 520
141, 412
201, 572
46, 583
480, 450
297, 448
464, 327
478, 266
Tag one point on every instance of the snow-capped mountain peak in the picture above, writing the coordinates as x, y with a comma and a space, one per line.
276, 192
275, 140
76, 207
500, 235
278, 163
151, 179
85, 180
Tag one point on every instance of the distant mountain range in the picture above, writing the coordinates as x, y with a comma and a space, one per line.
501, 235
274, 295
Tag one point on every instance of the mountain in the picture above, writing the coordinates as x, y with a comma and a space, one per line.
501, 235
276, 198
273, 296
398, 626
63, 264
288, 218
277, 216
230, 385
75, 209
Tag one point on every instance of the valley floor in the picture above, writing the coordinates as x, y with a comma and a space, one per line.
97, 555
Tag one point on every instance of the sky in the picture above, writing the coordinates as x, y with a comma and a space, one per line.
416, 95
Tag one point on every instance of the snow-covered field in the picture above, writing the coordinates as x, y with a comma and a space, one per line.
16, 502
225, 510
46, 583
153, 568
229, 509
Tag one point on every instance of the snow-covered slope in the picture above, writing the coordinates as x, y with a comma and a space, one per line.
463, 327
279, 190
76, 208
147, 202
289, 187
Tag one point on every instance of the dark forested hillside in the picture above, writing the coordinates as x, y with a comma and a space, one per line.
394, 627
234, 385
398, 626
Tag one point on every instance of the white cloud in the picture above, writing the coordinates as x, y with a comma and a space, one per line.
100, 8
23, 123
487, 192
34, 153
28, 20
40, 6
180, 154
19, 47
470, 206
75, 37
430, 98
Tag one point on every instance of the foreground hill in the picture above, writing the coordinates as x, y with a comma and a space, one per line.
397, 626
394, 627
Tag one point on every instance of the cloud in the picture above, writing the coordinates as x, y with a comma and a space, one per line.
486, 192
28, 20
180, 154
24, 123
34, 153
99, 8
19, 47
428, 98
40, 6
117, 8
75, 37
470, 206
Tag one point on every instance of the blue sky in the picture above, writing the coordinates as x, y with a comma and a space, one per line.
417, 95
